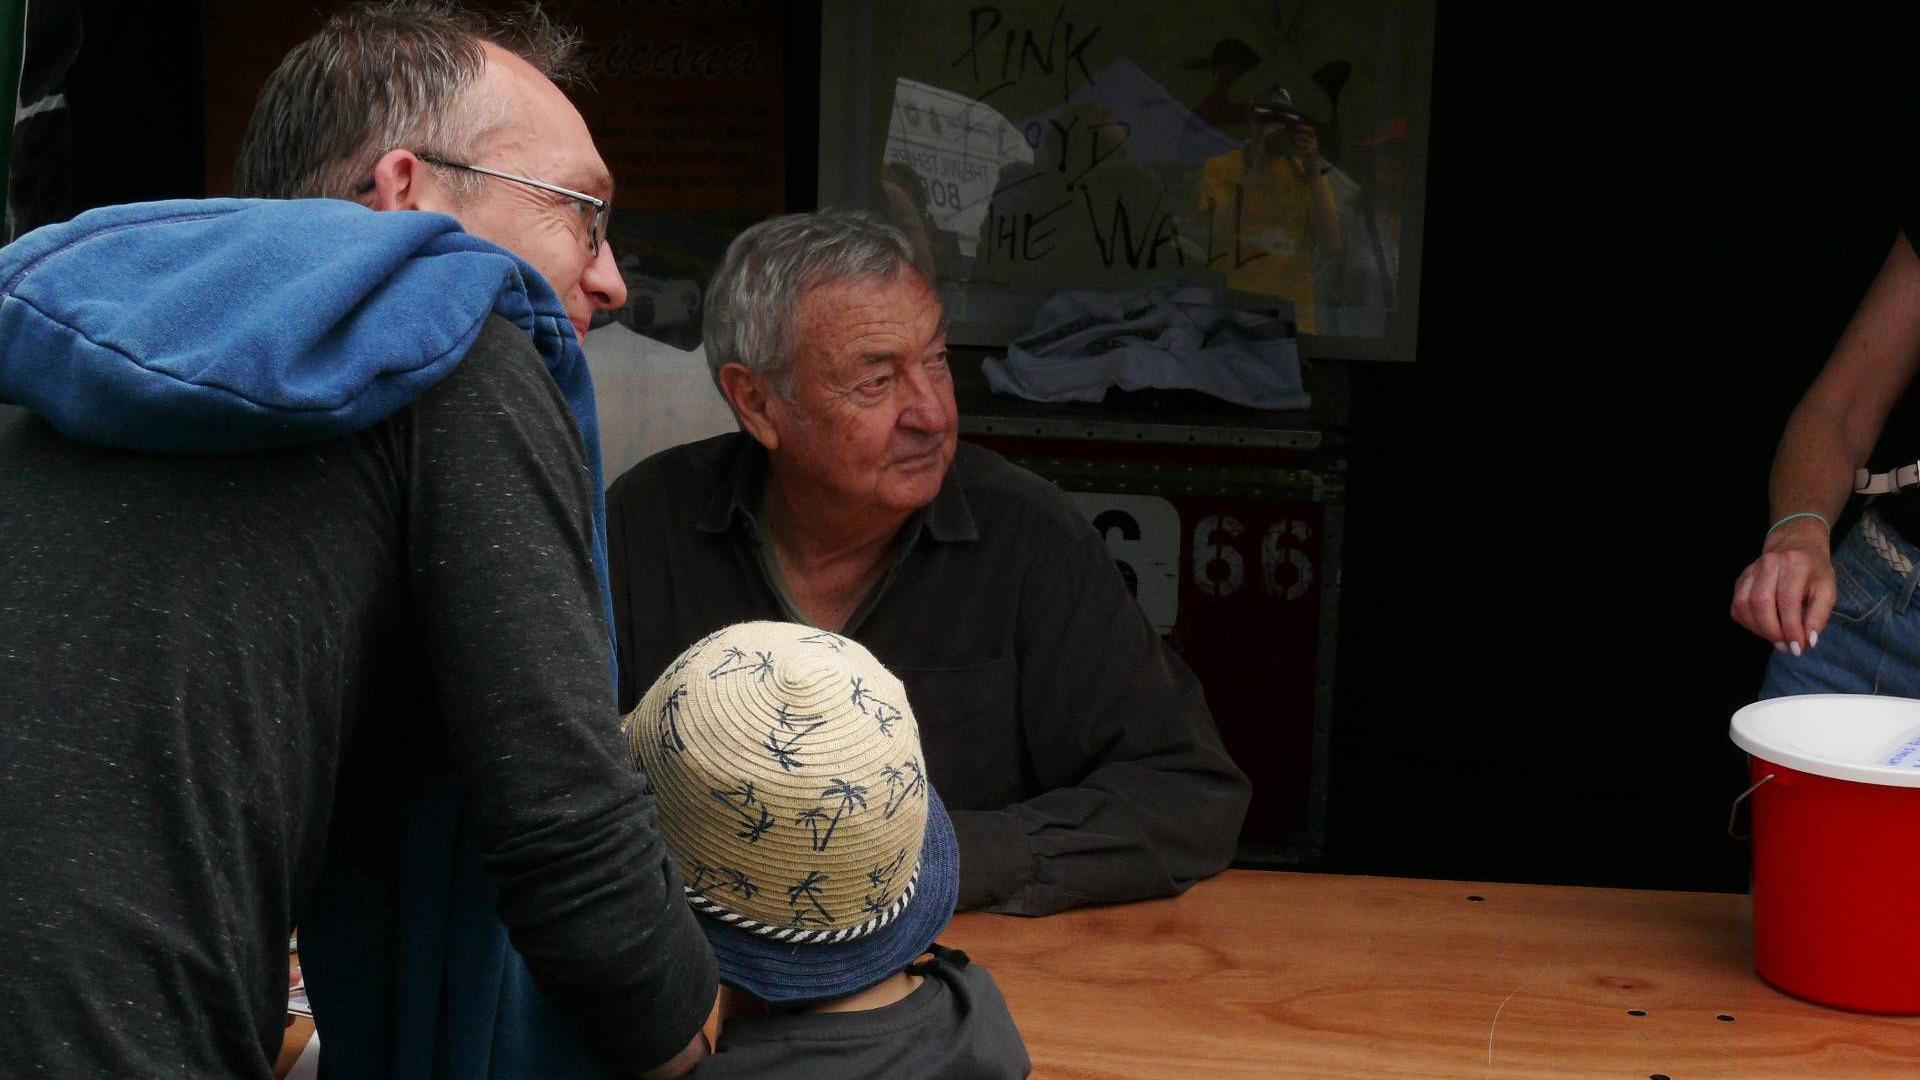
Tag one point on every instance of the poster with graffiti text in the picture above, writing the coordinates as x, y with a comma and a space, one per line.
1272, 150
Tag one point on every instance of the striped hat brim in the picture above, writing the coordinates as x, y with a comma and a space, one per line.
789, 973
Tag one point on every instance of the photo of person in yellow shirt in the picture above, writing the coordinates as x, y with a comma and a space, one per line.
1272, 207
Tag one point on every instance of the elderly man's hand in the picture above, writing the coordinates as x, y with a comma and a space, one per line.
1786, 595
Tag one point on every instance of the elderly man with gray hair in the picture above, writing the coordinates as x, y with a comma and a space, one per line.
1073, 748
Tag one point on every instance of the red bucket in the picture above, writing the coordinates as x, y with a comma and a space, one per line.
1836, 847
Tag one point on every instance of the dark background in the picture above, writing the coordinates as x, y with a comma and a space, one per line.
1644, 231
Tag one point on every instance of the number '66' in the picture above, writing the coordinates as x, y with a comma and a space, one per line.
1286, 569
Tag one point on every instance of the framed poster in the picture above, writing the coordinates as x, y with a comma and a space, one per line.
1270, 149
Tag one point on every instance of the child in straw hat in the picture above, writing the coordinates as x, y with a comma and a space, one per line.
786, 764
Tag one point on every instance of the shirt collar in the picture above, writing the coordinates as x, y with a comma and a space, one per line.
947, 519
742, 475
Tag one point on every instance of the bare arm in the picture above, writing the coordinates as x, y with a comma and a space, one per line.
1786, 595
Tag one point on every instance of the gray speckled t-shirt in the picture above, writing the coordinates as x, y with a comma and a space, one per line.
206, 664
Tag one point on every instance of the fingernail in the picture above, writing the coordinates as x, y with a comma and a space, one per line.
1794, 647
1780, 646
1813, 638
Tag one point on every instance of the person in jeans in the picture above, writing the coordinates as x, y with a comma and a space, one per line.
1841, 617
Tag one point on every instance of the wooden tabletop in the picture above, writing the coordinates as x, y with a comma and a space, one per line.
1306, 975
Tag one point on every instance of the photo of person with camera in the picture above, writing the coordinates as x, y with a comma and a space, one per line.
1271, 207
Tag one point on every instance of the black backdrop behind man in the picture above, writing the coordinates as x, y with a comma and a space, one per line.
1644, 232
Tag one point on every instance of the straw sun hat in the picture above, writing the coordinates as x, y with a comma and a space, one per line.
786, 764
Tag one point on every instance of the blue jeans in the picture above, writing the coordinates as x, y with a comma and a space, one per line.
1871, 645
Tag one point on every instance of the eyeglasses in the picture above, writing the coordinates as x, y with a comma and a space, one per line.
593, 209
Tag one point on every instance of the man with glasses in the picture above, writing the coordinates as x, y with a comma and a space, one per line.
593, 211
347, 665
507, 225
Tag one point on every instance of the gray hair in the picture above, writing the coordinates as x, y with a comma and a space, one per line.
757, 289
386, 76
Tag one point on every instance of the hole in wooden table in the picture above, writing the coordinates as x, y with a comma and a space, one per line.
1477, 899
1636, 1012
1725, 1018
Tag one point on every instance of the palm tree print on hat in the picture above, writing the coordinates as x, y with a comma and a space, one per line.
872, 905
852, 797
752, 829
736, 660
739, 884
754, 819
670, 740
885, 716
726, 877
742, 791
787, 754
862, 696
881, 877
812, 818
895, 780
809, 887
789, 721
902, 784
701, 872
830, 640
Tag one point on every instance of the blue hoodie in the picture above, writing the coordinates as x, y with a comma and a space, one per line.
231, 325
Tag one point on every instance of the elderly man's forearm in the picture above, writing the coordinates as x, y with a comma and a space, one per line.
1150, 835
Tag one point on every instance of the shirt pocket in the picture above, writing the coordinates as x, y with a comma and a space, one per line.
969, 720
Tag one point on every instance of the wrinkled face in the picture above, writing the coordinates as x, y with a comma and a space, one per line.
544, 138
871, 421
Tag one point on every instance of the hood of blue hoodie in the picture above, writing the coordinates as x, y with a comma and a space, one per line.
226, 325
209, 326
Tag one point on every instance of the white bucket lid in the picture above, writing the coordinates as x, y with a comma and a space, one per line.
1843, 736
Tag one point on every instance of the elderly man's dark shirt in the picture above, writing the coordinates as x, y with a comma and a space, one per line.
1074, 749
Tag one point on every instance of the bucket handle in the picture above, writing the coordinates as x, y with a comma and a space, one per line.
1734, 813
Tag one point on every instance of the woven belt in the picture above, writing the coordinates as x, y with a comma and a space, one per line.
1883, 542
